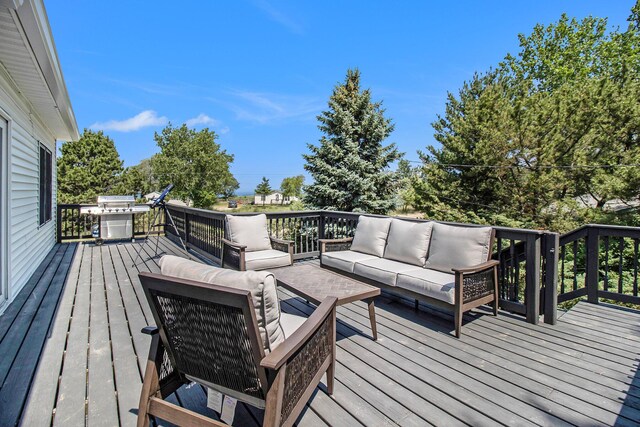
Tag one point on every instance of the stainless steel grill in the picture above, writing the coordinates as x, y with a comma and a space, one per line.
116, 216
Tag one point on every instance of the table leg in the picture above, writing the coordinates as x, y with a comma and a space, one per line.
372, 318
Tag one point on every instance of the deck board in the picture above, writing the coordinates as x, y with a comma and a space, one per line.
503, 371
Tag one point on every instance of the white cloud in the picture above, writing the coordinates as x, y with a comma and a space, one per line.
145, 119
201, 119
264, 108
279, 17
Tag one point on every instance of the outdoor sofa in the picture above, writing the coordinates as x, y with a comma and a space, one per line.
444, 265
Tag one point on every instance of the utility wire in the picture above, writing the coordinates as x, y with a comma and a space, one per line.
456, 165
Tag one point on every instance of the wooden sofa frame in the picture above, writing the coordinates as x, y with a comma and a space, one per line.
233, 254
474, 286
235, 364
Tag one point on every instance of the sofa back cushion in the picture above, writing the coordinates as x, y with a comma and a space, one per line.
408, 241
458, 247
371, 235
250, 231
261, 284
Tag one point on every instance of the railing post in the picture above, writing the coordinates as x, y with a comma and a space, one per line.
532, 278
593, 264
552, 254
321, 225
58, 224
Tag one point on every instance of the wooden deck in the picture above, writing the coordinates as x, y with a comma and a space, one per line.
583, 371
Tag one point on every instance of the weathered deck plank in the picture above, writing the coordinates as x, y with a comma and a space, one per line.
503, 371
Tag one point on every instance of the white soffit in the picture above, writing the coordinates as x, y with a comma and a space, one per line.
28, 54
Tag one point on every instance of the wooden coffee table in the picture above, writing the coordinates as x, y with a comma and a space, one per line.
315, 283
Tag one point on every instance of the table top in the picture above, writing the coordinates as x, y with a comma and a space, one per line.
315, 283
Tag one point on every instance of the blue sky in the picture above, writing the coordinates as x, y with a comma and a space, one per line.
258, 72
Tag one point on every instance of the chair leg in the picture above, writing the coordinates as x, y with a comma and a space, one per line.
150, 387
458, 320
330, 378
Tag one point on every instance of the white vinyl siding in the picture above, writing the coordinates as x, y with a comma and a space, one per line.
28, 242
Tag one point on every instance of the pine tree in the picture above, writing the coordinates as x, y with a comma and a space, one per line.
264, 188
350, 166
87, 168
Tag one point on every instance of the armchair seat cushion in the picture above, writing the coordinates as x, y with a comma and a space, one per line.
344, 260
262, 260
290, 323
371, 235
250, 231
261, 284
432, 283
381, 270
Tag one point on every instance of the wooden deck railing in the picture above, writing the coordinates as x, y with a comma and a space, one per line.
599, 261
528, 258
71, 225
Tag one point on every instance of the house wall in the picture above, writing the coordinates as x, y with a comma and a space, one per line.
28, 243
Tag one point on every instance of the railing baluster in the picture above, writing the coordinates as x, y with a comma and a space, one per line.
606, 263
635, 267
575, 265
621, 249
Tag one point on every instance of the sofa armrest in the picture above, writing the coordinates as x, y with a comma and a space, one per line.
333, 245
479, 281
233, 255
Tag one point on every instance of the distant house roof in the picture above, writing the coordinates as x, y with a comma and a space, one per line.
30, 59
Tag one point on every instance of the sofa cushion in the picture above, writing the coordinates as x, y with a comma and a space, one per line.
250, 231
431, 283
262, 286
457, 247
344, 260
262, 260
408, 241
381, 270
290, 322
371, 235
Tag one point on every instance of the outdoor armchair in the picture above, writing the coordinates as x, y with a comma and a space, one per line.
234, 340
248, 245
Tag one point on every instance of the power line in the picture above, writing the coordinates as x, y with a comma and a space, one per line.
466, 166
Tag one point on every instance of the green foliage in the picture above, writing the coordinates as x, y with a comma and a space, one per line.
520, 143
137, 179
350, 165
292, 186
264, 188
193, 162
229, 187
88, 168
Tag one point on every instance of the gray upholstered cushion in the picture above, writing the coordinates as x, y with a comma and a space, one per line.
250, 231
262, 286
371, 235
290, 322
408, 241
381, 270
262, 260
431, 283
457, 247
344, 260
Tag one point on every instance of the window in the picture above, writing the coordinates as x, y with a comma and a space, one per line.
46, 184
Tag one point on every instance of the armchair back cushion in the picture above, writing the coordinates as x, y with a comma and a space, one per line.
458, 247
371, 235
250, 231
408, 241
262, 286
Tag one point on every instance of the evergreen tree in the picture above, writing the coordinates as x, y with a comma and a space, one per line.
264, 189
350, 165
87, 168
193, 162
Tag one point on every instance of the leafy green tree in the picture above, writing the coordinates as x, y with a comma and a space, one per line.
350, 166
292, 186
264, 189
87, 168
193, 162
558, 120
229, 188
